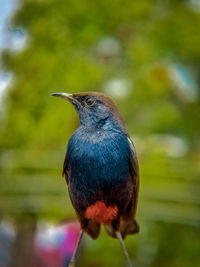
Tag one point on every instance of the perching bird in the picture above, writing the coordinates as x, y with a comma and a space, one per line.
101, 168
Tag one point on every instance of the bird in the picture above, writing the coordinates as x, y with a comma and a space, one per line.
101, 169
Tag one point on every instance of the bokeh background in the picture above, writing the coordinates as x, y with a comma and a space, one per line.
146, 55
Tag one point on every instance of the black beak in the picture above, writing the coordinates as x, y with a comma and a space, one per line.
67, 96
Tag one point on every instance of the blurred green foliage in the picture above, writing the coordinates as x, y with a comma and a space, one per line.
145, 54
64, 53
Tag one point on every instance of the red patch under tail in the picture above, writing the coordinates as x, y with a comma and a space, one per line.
99, 212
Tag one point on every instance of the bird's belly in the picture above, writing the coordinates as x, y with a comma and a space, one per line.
100, 172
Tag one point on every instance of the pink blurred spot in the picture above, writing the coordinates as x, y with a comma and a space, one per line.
55, 245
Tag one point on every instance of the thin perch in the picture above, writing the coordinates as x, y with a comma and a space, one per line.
119, 237
76, 250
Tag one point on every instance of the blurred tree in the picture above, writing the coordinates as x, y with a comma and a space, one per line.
80, 45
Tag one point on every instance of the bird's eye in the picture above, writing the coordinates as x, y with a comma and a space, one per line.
89, 101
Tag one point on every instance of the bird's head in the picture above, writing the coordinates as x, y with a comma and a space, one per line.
94, 109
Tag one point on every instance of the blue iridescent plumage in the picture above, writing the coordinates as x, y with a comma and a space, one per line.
101, 167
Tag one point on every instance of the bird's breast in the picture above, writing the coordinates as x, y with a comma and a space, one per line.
98, 166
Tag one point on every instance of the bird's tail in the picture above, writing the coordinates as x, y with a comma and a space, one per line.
126, 227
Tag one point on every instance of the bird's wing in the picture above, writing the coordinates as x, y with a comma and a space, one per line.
134, 172
65, 172
128, 224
